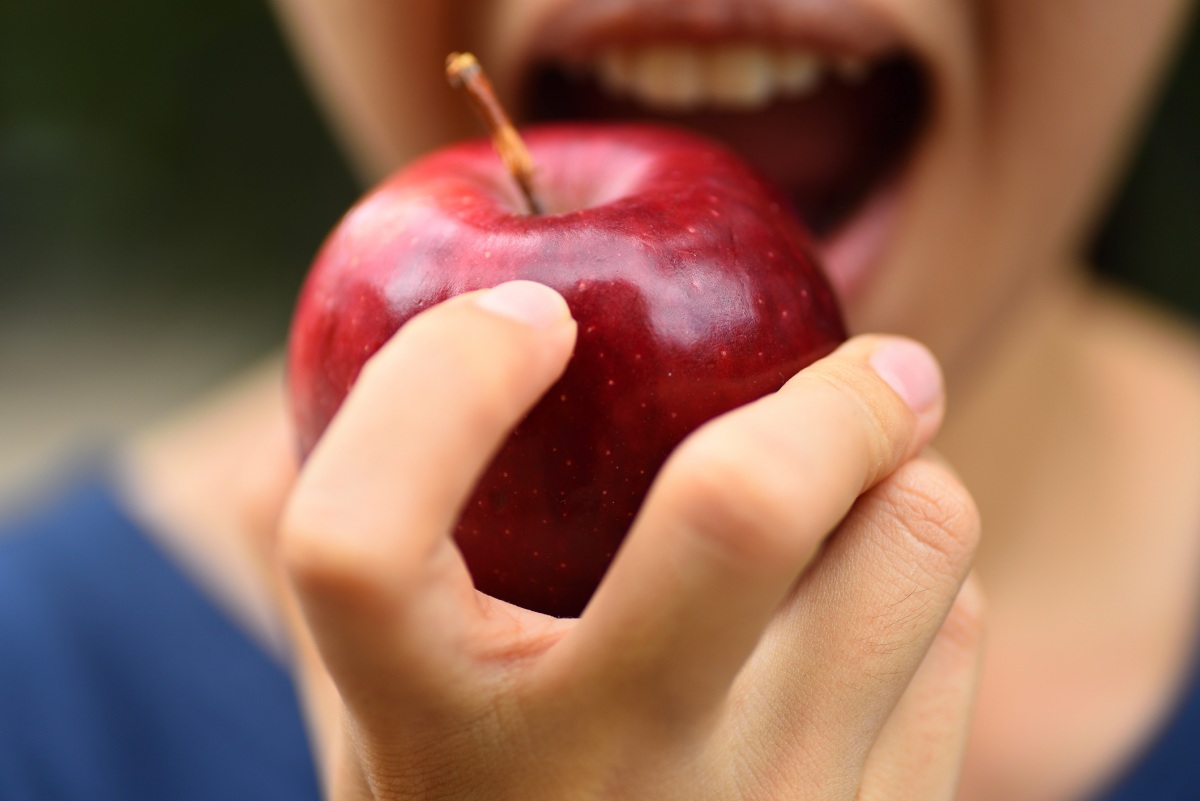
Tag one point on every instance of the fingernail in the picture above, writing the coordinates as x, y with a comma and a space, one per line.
527, 302
911, 370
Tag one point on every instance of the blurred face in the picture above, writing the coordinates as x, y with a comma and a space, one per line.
949, 154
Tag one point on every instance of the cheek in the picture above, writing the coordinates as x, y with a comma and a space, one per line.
498, 28
377, 69
1067, 82
1018, 165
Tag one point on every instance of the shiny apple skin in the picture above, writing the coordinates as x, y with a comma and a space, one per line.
695, 291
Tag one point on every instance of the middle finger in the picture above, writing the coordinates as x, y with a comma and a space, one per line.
837, 658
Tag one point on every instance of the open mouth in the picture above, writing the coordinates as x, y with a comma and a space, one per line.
830, 110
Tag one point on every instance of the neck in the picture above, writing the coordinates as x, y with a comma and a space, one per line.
1064, 432
1079, 438
1014, 423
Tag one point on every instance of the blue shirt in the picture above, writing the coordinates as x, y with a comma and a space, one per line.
120, 680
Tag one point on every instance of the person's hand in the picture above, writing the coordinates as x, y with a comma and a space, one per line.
781, 622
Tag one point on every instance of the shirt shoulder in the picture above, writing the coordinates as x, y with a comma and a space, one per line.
120, 679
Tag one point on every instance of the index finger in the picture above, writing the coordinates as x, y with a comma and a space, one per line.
366, 536
736, 515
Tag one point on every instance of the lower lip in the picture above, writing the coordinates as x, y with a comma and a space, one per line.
851, 253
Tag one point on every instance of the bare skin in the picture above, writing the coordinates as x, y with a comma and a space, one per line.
1048, 566
1118, 572
1073, 412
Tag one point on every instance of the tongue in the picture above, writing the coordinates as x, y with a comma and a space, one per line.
826, 151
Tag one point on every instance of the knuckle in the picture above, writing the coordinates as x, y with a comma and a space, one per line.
937, 514
484, 375
307, 540
490, 368
316, 555
881, 431
737, 496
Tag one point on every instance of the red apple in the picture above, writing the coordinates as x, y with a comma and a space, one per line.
694, 287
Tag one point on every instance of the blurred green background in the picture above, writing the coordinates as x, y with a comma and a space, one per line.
165, 180
157, 152
1150, 238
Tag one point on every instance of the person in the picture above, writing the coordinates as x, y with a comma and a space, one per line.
797, 611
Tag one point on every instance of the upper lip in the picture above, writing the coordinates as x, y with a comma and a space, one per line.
575, 30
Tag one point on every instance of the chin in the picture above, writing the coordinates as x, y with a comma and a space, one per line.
831, 102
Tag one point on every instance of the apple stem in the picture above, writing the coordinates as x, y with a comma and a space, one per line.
464, 72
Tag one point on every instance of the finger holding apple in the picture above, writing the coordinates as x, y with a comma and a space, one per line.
365, 534
741, 508
496, 376
695, 289
444, 692
390, 639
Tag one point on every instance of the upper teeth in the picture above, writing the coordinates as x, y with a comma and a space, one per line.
734, 76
